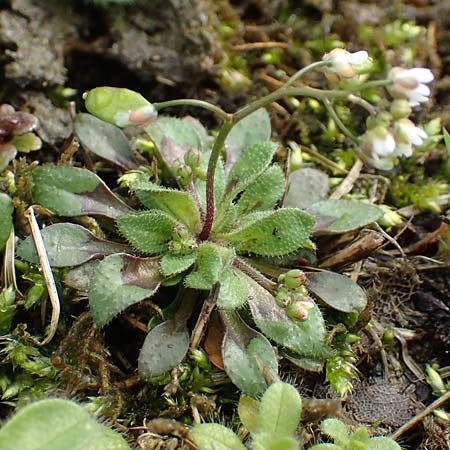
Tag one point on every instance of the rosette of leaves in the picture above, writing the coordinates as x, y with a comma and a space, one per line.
168, 246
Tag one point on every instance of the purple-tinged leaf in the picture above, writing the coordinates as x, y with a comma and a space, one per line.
120, 281
70, 191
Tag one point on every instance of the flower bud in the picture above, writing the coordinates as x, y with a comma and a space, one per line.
283, 298
295, 278
299, 310
192, 158
119, 106
400, 108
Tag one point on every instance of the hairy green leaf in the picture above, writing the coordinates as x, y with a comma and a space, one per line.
306, 338
68, 245
6, 220
280, 410
268, 441
247, 356
233, 289
248, 409
251, 163
104, 139
120, 281
7, 309
70, 191
264, 192
209, 436
211, 261
337, 291
147, 231
55, 425
382, 443
345, 215
275, 233
179, 204
175, 264
336, 429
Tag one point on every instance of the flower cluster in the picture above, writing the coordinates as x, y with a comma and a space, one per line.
397, 134
292, 295
393, 134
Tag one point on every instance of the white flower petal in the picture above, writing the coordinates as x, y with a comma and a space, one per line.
403, 150
359, 57
421, 74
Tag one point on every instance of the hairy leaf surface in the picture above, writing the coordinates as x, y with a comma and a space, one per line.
275, 233
147, 231
57, 424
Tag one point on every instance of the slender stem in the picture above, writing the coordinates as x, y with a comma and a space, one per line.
332, 112
232, 119
192, 102
304, 70
210, 175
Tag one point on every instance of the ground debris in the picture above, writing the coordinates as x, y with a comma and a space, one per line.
379, 401
33, 33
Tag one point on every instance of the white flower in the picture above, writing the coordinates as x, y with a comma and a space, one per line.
343, 63
406, 135
378, 148
410, 84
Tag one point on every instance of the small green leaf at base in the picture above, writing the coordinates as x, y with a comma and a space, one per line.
280, 410
55, 425
233, 290
345, 215
164, 348
212, 436
267, 441
147, 231
175, 264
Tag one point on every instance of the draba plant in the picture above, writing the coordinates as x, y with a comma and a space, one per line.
216, 222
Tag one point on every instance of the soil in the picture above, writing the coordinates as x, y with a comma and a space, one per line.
169, 49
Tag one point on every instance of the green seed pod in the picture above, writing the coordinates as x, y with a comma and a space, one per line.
435, 381
119, 106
